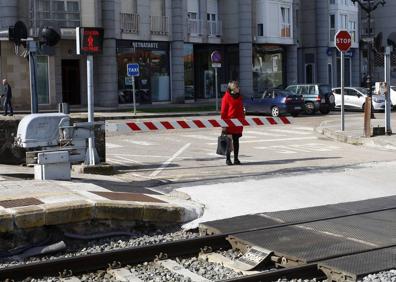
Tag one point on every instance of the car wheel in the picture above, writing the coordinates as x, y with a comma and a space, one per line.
275, 111
295, 114
309, 108
324, 111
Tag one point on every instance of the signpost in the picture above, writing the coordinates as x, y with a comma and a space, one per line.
132, 71
216, 63
343, 41
89, 42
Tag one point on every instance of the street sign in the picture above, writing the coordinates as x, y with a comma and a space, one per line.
216, 65
133, 70
216, 57
343, 40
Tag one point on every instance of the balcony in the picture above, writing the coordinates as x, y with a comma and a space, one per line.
130, 23
194, 27
58, 14
159, 25
215, 28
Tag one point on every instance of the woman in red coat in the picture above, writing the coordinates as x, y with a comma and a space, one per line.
232, 107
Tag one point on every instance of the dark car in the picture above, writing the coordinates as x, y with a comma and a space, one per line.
317, 97
275, 102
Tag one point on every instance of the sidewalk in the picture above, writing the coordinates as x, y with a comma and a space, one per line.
354, 133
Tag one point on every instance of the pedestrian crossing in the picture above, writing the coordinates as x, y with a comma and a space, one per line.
156, 148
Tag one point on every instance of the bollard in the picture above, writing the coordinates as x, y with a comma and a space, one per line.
63, 108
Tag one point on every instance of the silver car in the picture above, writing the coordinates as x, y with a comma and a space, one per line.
355, 98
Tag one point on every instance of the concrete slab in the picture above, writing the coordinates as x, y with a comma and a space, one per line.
60, 202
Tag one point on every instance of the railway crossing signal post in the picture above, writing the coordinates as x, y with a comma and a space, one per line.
89, 42
343, 42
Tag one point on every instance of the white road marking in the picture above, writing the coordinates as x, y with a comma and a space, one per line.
265, 133
129, 160
169, 161
306, 128
142, 143
298, 132
275, 140
296, 148
201, 137
112, 146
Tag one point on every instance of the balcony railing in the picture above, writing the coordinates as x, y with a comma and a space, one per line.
194, 26
159, 25
130, 23
215, 28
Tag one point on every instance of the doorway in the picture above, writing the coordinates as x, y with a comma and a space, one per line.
71, 82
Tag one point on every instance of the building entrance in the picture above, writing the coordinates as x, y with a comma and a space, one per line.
71, 82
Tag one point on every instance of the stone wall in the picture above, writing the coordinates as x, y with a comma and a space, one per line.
10, 154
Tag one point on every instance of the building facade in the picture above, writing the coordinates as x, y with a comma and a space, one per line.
318, 58
263, 44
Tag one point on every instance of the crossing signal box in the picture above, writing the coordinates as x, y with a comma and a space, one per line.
89, 40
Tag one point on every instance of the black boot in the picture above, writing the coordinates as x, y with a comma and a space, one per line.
228, 159
236, 150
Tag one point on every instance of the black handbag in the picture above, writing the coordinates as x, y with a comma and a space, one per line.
224, 145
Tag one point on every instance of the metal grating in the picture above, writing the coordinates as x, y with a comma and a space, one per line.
20, 203
359, 265
235, 224
130, 197
300, 244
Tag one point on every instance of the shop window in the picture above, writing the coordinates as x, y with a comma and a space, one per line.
153, 83
42, 79
189, 88
267, 68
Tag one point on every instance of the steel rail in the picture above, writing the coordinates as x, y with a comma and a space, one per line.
137, 255
93, 262
309, 271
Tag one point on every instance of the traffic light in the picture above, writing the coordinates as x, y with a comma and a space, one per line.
16, 33
49, 36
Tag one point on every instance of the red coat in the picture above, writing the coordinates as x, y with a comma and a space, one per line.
232, 108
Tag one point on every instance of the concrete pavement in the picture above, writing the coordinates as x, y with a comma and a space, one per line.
26, 203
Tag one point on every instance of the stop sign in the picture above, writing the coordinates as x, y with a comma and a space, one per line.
343, 40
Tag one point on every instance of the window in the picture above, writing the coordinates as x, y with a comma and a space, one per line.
285, 16
192, 16
352, 30
329, 74
64, 13
343, 21
332, 2
42, 79
260, 29
332, 28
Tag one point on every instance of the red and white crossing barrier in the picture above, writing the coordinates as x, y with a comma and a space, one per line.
132, 126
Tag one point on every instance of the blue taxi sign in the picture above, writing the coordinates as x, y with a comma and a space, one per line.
133, 70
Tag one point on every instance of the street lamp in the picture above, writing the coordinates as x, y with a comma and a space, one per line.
369, 6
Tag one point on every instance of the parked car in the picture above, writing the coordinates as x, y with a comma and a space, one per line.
317, 97
393, 95
275, 102
355, 98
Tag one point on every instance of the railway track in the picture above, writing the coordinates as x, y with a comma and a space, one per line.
167, 256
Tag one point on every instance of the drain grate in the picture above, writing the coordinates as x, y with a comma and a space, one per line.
20, 203
130, 197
